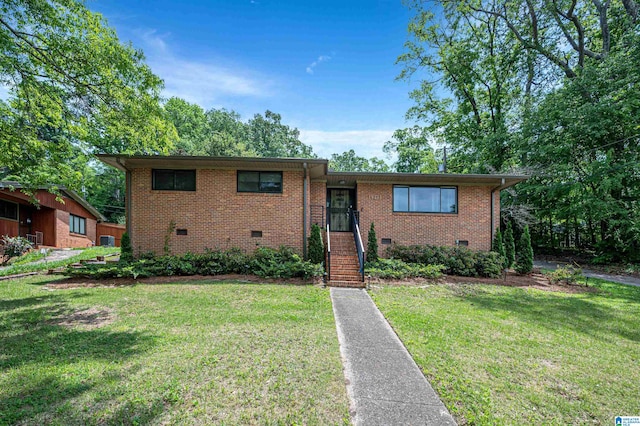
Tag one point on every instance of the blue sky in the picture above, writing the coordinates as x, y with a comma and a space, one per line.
328, 67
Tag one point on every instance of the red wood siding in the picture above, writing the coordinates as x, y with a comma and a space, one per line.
113, 229
8, 227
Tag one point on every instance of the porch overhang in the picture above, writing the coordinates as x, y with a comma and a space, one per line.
346, 179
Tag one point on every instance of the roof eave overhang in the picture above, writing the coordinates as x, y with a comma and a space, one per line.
317, 167
495, 181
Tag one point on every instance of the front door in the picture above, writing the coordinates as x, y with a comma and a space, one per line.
340, 200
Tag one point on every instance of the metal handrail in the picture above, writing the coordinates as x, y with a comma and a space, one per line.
328, 254
358, 239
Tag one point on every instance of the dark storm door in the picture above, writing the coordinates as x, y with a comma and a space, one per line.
339, 202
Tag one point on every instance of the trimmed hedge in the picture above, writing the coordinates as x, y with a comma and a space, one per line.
456, 260
264, 262
396, 268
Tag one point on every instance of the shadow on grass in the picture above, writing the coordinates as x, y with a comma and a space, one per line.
586, 314
49, 357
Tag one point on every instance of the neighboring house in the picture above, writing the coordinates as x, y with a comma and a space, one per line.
70, 222
222, 202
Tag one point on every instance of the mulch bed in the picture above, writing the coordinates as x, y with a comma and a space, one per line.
535, 280
81, 282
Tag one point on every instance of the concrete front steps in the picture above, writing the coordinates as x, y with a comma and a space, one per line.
345, 267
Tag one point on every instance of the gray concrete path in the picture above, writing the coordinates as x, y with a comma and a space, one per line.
52, 256
385, 385
620, 279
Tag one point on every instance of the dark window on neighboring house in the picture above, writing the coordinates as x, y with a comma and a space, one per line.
8, 210
260, 182
425, 199
174, 180
77, 224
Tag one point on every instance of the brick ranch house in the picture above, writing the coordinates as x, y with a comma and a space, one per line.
68, 222
226, 202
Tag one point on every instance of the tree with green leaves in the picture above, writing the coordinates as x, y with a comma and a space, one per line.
126, 251
545, 87
372, 245
269, 137
509, 246
413, 150
74, 88
217, 132
498, 246
348, 161
315, 249
524, 258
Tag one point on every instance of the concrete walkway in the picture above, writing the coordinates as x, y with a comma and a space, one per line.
53, 256
385, 385
620, 279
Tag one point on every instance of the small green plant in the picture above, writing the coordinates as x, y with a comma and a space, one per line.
166, 249
568, 274
509, 246
13, 247
497, 246
524, 261
315, 250
126, 251
372, 244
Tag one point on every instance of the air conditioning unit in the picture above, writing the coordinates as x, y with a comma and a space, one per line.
107, 240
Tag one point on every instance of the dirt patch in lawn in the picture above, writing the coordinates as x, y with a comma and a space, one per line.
535, 280
86, 318
81, 282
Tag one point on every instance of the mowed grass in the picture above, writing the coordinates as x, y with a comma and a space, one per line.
204, 353
504, 355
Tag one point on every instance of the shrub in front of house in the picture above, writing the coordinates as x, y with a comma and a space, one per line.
456, 260
397, 269
264, 262
11, 247
315, 248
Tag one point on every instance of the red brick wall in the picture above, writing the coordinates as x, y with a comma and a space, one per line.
66, 239
215, 215
471, 223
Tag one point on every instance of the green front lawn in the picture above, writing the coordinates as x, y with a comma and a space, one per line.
504, 355
194, 353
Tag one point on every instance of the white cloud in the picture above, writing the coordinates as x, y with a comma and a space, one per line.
200, 81
312, 65
365, 143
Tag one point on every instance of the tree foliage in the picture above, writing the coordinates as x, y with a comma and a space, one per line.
348, 161
372, 245
524, 257
413, 150
498, 246
74, 89
544, 87
315, 250
509, 246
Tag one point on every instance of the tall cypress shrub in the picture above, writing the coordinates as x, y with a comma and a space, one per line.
524, 261
315, 251
126, 251
498, 246
509, 246
372, 245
